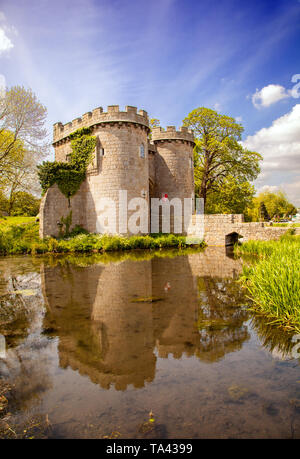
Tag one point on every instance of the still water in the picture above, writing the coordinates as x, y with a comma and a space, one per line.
141, 346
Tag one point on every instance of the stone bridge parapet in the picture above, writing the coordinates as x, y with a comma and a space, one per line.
226, 229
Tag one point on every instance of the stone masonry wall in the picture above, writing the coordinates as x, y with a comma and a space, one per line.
55, 205
121, 168
217, 227
174, 168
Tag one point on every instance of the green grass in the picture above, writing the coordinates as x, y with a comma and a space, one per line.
8, 221
285, 225
272, 277
24, 239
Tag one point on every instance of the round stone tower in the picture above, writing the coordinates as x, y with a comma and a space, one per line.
120, 164
174, 165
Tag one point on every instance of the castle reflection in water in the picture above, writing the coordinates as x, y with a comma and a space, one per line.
114, 320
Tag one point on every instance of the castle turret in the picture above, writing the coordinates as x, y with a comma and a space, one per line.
121, 158
174, 165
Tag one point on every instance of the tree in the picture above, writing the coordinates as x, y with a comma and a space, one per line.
153, 123
232, 197
11, 160
218, 151
24, 203
263, 213
20, 173
277, 205
22, 119
3, 202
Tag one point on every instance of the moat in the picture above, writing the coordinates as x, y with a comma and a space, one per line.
141, 346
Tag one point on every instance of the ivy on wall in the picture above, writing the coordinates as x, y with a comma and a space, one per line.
69, 176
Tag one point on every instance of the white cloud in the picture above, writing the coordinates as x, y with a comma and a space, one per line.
2, 16
5, 42
291, 189
269, 95
238, 119
270, 188
279, 145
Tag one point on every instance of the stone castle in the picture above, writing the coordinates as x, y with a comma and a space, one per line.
126, 158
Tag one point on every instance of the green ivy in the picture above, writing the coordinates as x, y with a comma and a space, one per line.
67, 221
69, 176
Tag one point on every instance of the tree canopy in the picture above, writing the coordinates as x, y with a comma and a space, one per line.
23, 142
22, 120
276, 204
219, 155
232, 197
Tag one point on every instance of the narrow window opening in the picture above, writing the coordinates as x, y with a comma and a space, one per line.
142, 151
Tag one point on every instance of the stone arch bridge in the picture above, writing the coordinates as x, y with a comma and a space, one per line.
220, 229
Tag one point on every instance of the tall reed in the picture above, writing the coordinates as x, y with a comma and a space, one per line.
272, 278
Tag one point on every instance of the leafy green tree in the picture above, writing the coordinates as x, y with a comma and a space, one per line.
23, 203
14, 157
153, 123
231, 197
277, 205
218, 151
263, 213
3, 202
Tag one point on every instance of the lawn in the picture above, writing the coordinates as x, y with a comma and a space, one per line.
7, 221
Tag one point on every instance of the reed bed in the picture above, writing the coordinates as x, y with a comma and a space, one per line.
272, 277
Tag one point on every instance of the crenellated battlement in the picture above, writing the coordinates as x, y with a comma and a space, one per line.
98, 116
170, 133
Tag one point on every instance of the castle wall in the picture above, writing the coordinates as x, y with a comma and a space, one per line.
151, 162
120, 136
121, 168
55, 205
62, 150
174, 167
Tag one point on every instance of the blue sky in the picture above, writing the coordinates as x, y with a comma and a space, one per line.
167, 57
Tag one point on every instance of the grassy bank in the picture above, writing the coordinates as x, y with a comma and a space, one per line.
8, 221
287, 225
24, 239
271, 275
